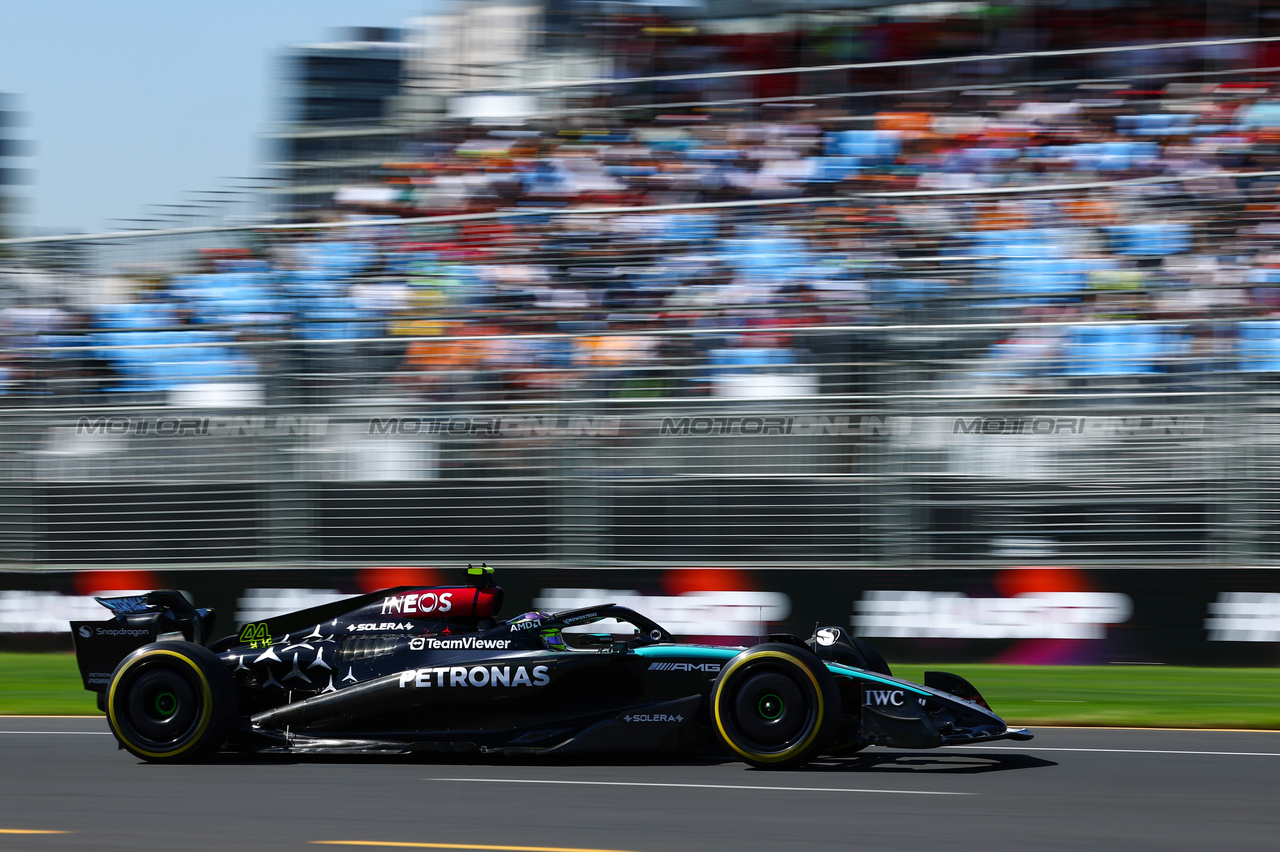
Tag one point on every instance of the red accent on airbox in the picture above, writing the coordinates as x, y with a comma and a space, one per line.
438, 602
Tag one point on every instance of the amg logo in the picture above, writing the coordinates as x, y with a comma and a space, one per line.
885, 697
684, 667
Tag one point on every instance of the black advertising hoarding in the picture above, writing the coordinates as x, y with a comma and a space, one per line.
1051, 616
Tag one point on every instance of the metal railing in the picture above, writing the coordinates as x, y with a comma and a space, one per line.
886, 378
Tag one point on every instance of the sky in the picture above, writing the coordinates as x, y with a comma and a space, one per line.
133, 103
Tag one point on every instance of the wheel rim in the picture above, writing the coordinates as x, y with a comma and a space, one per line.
162, 708
771, 706
166, 704
770, 711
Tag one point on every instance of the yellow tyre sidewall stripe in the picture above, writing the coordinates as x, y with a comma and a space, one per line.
205, 716
793, 750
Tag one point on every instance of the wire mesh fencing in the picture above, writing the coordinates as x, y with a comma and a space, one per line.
1079, 372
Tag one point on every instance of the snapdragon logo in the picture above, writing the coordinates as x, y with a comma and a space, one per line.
121, 631
954, 615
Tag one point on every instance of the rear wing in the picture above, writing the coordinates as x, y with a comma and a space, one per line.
136, 620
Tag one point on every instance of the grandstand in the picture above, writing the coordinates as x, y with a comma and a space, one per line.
973, 327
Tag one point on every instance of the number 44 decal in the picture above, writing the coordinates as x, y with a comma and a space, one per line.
256, 634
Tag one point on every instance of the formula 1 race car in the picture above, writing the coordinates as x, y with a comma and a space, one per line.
414, 670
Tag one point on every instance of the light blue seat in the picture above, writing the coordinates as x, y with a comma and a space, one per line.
1259, 115
1258, 346
1150, 239
713, 154
323, 315
872, 147
694, 227
745, 360
1043, 279
834, 169
1112, 350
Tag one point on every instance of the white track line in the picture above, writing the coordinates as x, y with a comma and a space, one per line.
65, 733
700, 786
1121, 750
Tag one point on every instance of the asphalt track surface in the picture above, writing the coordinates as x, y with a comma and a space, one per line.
1070, 788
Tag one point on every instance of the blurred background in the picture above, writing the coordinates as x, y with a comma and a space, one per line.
954, 322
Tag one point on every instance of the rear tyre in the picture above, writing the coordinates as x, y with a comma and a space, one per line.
171, 702
775, 706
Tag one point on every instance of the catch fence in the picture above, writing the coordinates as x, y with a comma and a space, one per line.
1058, 374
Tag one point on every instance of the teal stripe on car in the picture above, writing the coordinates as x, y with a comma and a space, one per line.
703, 652
860, 674
711, 652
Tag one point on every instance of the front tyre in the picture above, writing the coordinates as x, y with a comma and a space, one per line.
775, 706
171, 702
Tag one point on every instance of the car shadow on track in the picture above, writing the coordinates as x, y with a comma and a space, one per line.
469, 759
876, 762
941, 763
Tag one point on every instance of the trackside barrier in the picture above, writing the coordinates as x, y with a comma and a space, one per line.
1058, 615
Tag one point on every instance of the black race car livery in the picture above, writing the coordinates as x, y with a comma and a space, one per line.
413, 670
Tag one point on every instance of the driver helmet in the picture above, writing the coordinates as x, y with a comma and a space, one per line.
553, 640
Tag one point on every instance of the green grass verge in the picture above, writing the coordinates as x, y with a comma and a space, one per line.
1142, 696
1149, 696
43, 684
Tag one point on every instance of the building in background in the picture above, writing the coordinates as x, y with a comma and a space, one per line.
477, 61
376, 116
12, 150
339, 108
375, 96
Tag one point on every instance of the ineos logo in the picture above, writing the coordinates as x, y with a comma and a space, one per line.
423, 602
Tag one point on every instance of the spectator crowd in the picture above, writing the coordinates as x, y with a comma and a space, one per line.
1038, 240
